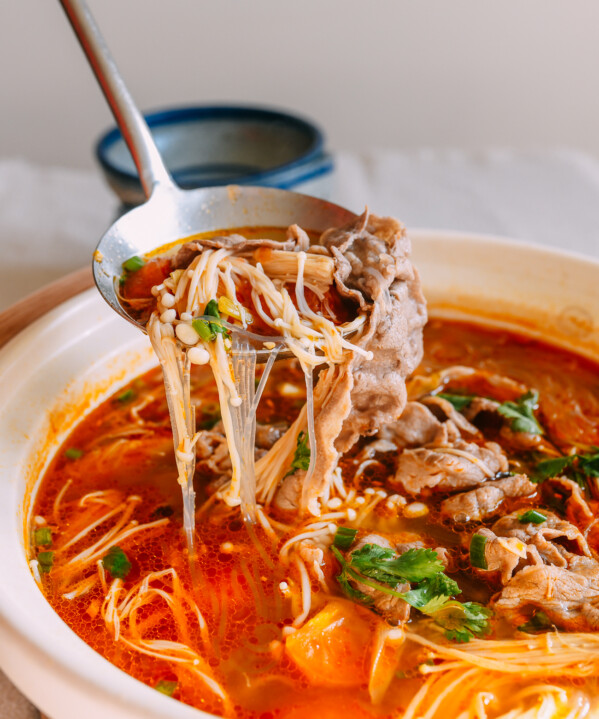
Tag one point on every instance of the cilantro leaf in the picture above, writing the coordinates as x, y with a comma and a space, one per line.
576, 466
459, 401
589, 463
381, 569
552, 467
385, 566
116, 563
462, 621
521, 413
301, 458
433, 590
343, 579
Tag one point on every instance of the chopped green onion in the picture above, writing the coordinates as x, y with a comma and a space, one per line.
204, 329
116, 563
127, 395
477, 551
166, 687
45, 561
134, 263
532, 516
42, 536
73, 453
212, 309
344, 537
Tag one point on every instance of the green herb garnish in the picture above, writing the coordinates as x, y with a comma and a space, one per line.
166, 687
382, 569
520, 413
532, 516
211, 310
384, 565
462, 621
42, 536
477, 551
344, 537
539, 622
126, 396
459, 401
116, 563
73, 453
206, 329
576, 466
301, 456
552, 467
45, 561
134, 263
428, 591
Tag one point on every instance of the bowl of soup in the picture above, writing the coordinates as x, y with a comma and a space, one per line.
416, 587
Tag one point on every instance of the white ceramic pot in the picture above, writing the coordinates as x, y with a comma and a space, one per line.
73, 358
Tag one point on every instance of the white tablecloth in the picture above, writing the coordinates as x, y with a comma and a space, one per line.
51, 218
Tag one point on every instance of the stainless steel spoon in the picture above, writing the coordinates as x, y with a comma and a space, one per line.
170, 213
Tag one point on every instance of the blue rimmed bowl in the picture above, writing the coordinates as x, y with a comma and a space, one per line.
204, 146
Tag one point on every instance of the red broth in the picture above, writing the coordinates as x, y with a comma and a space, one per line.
123, 450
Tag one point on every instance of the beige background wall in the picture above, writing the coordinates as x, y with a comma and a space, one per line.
399, 73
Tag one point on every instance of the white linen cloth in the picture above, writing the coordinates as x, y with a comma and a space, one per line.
52, 218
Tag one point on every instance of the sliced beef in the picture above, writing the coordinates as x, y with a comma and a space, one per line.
481, 406
482, 502
417, 426
577, 508
288, 495
268, 434
444, 410
569, 597
502, 554
555, 539
372, 267
483, 412
461, 466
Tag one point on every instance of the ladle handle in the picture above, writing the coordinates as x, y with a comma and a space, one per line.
150, 166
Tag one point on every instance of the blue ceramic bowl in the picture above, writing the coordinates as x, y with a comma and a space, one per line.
220, 145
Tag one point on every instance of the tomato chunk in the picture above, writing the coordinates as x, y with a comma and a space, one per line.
139, 284
333, 648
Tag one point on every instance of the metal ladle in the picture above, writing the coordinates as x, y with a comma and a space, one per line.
171, 214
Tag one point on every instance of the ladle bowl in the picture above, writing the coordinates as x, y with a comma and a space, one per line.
171, 214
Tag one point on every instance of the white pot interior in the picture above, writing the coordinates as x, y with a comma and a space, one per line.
73, 358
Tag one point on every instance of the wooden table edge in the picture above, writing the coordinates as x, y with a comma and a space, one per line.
30, 308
